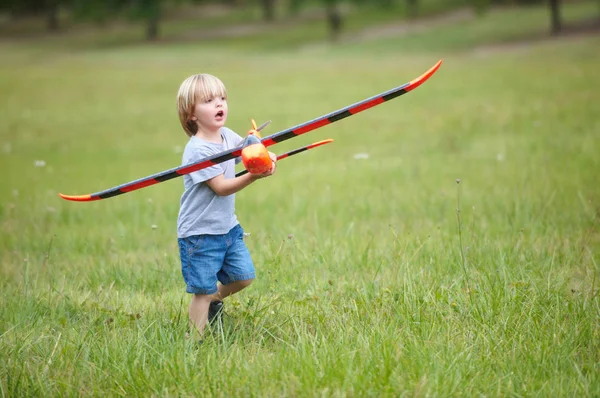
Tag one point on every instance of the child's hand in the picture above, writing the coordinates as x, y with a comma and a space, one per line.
270, 172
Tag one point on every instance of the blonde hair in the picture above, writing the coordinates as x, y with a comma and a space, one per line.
193, 90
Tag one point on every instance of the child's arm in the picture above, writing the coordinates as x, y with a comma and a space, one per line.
224, 187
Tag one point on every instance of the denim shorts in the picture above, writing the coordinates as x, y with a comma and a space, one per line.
206, 259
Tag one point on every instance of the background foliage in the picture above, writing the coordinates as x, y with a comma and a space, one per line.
446, 244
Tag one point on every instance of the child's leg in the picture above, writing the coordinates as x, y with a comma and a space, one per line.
199, 310
200, 302
201, 258
237, 272
232, 288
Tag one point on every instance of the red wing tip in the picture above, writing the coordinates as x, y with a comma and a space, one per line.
327, 141
433, 68
76, 198
319, 143
421, 79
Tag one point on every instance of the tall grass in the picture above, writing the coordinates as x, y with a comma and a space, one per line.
376, 277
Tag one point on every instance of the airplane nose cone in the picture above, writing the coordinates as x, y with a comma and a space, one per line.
256, 159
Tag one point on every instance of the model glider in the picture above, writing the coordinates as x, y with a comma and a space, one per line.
293, 152
266, 141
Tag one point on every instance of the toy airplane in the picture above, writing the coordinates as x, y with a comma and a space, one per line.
288, 154
255, 147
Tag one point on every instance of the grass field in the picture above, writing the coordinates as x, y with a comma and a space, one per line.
376, 277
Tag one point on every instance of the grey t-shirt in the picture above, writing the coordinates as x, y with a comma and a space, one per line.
203, 212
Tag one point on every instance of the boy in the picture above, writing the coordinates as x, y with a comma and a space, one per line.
211, 243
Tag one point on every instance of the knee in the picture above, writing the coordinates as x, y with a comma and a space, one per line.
206, 298
244, 284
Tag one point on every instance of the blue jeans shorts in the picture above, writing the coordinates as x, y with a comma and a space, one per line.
206, 259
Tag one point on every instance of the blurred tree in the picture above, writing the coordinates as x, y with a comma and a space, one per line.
334, 18
555, 18
480, 6
294, 6
151, 12
98, 11
47, 8
412, 8
52, 15
268, 7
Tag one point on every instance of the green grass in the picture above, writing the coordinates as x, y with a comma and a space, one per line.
370, 282
242, 29
498, 26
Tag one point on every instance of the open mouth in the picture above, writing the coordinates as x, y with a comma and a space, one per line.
220, 114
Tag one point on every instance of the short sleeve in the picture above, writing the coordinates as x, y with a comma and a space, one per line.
207, 173
235, 140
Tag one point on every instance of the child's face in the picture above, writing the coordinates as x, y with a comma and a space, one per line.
210, 114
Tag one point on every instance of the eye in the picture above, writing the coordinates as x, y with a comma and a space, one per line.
208, 100
224, 98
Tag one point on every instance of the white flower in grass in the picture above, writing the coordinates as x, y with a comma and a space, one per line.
39, 163
500, 157
154, 226
178, 149
360, 156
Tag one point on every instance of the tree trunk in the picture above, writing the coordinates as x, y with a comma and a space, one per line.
152, 28
556, 23
412, 8
268, 10
52, 15
334, 20
153, 14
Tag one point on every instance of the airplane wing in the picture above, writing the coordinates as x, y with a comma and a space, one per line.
267, 141
294, 152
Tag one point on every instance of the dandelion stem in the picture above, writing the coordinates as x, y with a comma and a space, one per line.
47, 257
460, 242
